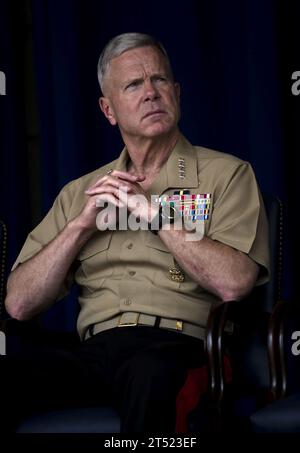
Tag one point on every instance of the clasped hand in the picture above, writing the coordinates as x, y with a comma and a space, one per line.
120, 190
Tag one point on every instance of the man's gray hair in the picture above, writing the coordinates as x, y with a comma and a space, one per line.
120, 44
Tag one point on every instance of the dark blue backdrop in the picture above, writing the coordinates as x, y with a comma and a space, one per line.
234, 61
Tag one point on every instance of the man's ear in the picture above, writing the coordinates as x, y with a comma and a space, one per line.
106, 108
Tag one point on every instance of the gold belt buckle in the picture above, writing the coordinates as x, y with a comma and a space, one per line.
130, 323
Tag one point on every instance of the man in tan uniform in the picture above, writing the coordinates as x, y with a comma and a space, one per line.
159, 284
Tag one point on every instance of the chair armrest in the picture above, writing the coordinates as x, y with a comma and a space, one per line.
214, 341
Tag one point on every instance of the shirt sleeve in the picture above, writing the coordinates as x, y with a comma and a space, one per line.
52, 224
239, 219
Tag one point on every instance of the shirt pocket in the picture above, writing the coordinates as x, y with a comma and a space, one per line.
94, 264
162, 261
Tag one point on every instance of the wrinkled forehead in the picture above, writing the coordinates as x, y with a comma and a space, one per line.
137, 62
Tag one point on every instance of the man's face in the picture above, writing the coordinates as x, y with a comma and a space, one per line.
141, 96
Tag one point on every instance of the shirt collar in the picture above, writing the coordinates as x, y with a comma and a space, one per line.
182, 161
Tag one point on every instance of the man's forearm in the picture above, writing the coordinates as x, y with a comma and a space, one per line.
34, 285
222, 270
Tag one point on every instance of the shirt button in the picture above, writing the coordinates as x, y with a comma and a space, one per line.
127, 301
131, 273
129, 246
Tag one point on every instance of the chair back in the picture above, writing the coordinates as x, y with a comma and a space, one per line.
269, 293
3, 261
248, 348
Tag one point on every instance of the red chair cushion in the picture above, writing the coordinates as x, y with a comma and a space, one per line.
195, 386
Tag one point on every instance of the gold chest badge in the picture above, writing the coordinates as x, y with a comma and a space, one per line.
176, 274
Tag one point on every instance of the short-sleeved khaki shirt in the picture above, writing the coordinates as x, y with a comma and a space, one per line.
120, 271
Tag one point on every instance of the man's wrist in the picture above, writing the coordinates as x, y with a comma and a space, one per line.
164, 219
80, 231
155, 223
